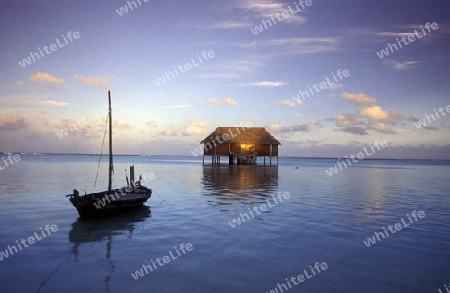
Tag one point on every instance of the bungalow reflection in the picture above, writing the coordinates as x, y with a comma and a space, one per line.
227, 185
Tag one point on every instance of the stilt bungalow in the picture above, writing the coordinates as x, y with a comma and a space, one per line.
241, 145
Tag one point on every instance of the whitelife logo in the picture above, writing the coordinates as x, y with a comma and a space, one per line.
397, 226
167, 76
11, 158
317, 269
262, 208
124, 9
11, 250
360, 156
411, 38
423, 123
317, 88
53, 47
281, 16
166, 259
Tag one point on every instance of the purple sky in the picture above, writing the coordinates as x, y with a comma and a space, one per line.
178, 70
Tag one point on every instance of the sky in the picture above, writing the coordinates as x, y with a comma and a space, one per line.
326, 78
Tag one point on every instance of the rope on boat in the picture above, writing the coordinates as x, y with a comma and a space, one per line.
101, 152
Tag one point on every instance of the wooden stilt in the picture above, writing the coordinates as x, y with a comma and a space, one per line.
132, 176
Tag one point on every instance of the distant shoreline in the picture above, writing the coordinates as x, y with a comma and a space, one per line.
189, 156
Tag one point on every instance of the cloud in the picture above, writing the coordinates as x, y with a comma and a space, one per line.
260, 9
374, 112
335, 86
354, 130
397, 65
170, 131
300, 45
301, 127
26, 101
44, 77
393, 34
12, 122
429, 128
152, 124
233, 69
267, 83
77, 127
316, 123
97, 81
247, 45
197, 127
289, 103
381, 127
377, 113
412, 118
218, 75
119, 125
20, 83
246, 66
230, 101
226, 101
257, 10
358, 99
214, 101
229, 24
55, 103
171, 106
346, 120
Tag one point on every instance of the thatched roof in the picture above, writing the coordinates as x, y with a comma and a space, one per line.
251, 135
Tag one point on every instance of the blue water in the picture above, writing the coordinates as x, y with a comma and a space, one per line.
326, 219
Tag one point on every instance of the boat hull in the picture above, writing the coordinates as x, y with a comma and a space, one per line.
108, 203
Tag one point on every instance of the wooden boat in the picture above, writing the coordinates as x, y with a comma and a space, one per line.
111, 201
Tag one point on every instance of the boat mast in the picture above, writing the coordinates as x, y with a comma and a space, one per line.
111, 168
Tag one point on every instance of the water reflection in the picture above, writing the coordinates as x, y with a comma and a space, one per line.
227, 185
97, 230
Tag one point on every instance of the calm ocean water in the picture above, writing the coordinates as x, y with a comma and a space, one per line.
325, 219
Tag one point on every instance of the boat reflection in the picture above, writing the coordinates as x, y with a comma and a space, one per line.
227, 185
97, 230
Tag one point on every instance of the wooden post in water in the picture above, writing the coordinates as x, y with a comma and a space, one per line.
111, 168
132, 176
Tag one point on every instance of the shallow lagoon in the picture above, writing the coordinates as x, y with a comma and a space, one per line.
325, 220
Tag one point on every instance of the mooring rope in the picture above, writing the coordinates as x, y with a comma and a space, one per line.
72, 251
